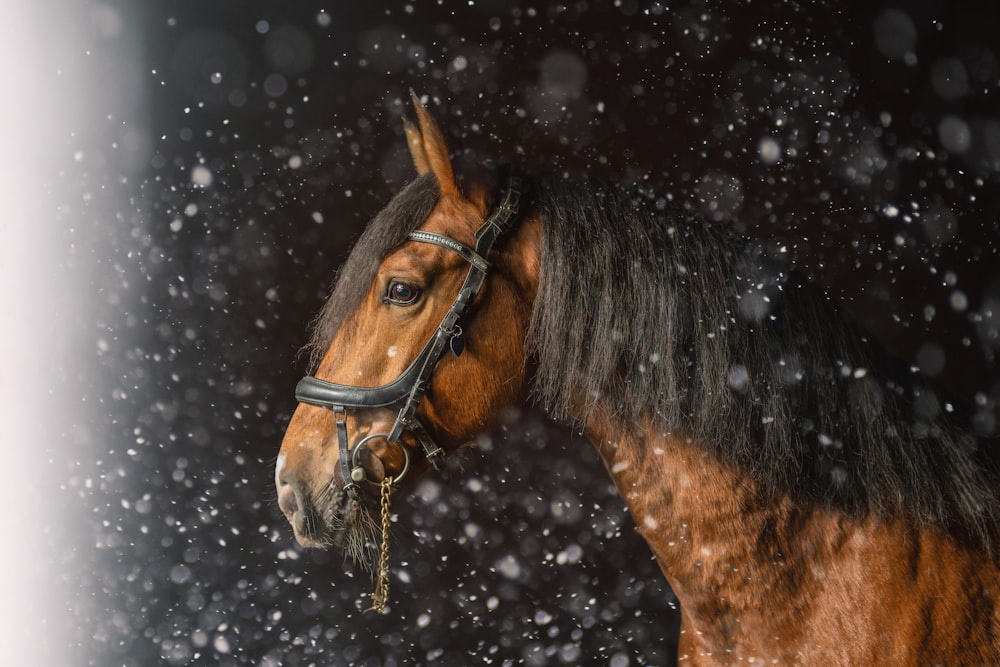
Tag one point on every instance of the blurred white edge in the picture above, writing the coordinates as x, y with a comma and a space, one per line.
34, 616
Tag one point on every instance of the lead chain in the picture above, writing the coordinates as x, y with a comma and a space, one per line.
381, 594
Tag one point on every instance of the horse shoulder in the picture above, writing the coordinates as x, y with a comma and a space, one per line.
906, 595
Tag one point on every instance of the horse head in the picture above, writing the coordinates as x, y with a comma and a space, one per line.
416, 351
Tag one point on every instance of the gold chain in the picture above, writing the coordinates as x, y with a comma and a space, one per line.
381, 594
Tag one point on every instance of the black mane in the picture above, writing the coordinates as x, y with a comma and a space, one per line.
655, 313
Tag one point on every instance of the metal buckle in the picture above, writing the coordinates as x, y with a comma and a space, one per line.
358, 471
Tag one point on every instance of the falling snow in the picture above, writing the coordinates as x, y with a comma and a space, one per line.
224, 167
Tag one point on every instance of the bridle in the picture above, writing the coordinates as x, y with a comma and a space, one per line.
405, 392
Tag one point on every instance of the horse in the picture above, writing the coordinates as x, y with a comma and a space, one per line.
807, 501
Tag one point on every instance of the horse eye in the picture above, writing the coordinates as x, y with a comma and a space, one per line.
401, 294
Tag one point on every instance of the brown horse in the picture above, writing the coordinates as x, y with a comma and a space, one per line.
808, 503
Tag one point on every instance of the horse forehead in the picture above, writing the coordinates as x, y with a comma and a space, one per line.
409, 256
455, 217
419, 257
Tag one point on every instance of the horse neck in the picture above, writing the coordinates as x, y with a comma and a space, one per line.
698, 514
760, 574
716, 538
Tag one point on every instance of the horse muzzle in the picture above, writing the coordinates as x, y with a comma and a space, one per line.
299, 506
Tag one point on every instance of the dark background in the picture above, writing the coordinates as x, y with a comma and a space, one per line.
224, 156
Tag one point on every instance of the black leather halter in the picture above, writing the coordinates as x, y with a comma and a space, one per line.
405, 392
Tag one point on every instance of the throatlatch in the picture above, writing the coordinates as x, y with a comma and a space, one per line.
405, 392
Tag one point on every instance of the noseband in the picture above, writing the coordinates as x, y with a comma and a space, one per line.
405, 392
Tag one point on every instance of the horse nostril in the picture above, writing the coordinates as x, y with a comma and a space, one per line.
288, 493
288, 498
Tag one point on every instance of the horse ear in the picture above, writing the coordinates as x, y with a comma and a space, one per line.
433, 153
416, 145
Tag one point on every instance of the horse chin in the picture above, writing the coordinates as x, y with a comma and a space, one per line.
351, 526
